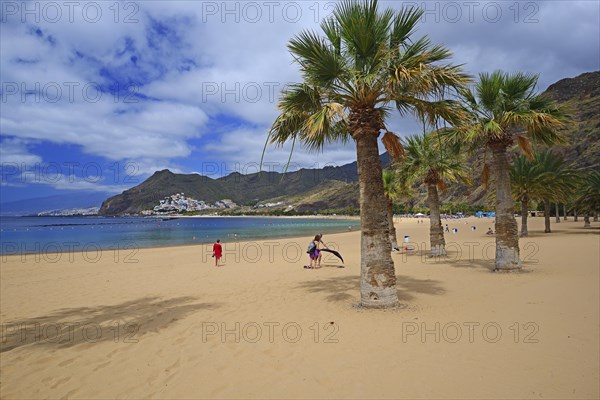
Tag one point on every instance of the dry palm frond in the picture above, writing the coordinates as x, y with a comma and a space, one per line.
392, 144
525, 145
485, 175
441, 185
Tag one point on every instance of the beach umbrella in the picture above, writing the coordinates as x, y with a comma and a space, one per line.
335, 253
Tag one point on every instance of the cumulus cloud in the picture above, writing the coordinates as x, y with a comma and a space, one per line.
16, 151
145, 80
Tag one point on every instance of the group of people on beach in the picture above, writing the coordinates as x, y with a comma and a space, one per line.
317, 244
314, 253
315, 247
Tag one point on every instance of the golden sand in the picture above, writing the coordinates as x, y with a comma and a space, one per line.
165, 323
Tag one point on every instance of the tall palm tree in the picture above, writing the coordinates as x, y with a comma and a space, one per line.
365, 63
545, 177
588, 197
558, 182
391, 191
428, 160
505, 109
526, 179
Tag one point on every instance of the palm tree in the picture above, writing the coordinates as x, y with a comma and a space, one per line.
526, 179
364, 64
505, 109
428, 161
558, 180
588, 198
391, 191
545, 177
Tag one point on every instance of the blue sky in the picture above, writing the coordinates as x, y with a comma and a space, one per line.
96, 96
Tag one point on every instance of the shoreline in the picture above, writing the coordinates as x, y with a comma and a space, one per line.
7, 257
173, 247
186, 216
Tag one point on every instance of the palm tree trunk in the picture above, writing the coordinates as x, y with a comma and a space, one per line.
575, 215
390, 212
564, 212
524, 212
595, 217
586, 221
377, 274
557, 213
547, 216
436, 232
507, 231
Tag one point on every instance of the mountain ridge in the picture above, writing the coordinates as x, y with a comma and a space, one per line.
242, 189
309, 189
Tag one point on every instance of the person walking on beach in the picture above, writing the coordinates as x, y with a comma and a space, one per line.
217, 252
320, 235
313, 253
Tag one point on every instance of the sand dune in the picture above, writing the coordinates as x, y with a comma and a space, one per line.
165, 323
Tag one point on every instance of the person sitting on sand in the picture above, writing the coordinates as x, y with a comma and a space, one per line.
489, 232
217, 252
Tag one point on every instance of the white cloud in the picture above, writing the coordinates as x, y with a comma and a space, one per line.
70, 182
199, 67
15, 151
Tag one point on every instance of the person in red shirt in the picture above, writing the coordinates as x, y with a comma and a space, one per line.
217, 252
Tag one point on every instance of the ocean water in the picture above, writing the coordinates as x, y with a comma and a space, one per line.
28, 235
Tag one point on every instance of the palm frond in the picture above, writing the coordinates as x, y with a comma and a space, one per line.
393, 145
525, 146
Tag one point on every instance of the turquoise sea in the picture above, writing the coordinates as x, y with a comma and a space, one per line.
25, 235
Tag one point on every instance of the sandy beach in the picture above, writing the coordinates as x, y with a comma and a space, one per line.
166, 323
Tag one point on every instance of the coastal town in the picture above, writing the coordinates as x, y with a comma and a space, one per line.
179, 203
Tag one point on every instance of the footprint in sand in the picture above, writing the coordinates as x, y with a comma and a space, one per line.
101, 366
172, 374
169, 368
66, 362
180, 340
109, 355
70, 395
60, 382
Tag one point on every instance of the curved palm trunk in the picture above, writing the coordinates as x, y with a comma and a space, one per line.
524, 212
556, 211
564, 212
436, 231
586, 221
377, 274
390, 212
507, 232
547, 216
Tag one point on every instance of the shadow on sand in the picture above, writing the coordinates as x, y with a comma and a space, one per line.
453, 259
124, 322
556, 229
345, 288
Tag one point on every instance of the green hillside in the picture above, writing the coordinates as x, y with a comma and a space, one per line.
336, 188
161, 184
